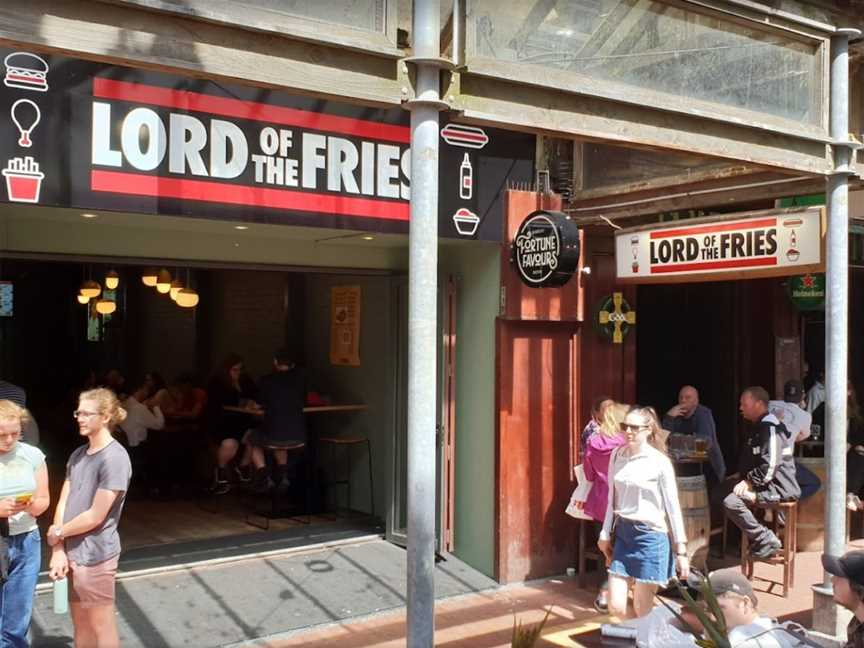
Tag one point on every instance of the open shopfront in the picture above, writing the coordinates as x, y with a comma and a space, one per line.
286, 218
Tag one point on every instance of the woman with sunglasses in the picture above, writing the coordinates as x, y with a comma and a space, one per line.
641, 511
23, 498
84, 534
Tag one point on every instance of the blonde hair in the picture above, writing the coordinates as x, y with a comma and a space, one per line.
108, 404
10, 411
657, 437
613, 415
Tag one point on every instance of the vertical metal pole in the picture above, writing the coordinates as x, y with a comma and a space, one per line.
829, 618
422, 322
837, 305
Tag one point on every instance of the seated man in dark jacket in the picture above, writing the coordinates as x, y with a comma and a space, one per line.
768, 473
281, 396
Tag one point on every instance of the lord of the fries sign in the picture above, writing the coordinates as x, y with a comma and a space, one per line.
94, 136
717, 248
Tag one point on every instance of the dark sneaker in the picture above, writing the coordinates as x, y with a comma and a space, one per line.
767, 549
242, 473
601, 603
221, 487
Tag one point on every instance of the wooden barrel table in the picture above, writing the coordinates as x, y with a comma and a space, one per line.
811, 512
693, 496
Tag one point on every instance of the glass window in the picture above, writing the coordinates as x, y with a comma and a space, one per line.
658, 48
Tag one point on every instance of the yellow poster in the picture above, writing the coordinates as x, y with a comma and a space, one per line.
345, 325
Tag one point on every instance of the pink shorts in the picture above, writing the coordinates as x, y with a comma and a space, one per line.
92, 585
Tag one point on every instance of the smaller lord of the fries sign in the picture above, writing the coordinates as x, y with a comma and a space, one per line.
719, 248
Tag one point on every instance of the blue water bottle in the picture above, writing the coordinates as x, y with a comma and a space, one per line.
61, 596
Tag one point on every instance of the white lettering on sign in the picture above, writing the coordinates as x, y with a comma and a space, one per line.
538, 246
764, 244
191, 145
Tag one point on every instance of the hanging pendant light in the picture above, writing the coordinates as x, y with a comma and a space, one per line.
112, 279
187, 298
90, 289
149, 277
83, 299
176, 287
106, 306
163, 282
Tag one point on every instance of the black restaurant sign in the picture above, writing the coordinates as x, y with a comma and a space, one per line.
546, 249
93, 136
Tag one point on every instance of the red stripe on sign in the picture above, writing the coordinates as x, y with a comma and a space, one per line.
715, 265
711, 229
459, 135
137, 184
251, 110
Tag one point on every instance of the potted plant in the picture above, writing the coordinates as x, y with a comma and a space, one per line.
710, 615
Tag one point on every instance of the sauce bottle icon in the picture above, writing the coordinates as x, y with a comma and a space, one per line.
466, 179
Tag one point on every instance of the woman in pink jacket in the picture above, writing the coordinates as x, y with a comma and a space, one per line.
596, 465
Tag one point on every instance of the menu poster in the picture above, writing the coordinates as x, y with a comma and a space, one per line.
345, 325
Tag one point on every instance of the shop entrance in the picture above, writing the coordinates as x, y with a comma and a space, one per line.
445, 432
720, 337
54, 346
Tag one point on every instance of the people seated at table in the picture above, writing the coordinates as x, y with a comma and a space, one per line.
768, 473
790, 411
281, 395
188, 399
692, 418
230, 389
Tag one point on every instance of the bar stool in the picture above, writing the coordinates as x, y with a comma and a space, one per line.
585, 553
346, 443
276, 510
789, 532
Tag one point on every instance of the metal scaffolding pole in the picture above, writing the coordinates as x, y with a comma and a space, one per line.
422, 322
826, 617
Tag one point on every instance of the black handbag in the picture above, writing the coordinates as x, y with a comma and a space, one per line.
4, 550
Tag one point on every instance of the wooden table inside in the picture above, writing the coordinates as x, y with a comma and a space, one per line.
309, 409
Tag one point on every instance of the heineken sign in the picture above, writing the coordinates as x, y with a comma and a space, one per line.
546, 249
807, 291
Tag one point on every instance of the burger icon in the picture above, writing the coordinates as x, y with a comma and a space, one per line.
26, 71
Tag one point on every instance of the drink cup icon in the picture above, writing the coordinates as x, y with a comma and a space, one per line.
23, 180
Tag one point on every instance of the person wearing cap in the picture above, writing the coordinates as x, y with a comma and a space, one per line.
746, 627
768, 473
790, 411
848, 581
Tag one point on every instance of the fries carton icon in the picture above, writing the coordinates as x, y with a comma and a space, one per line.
23, 179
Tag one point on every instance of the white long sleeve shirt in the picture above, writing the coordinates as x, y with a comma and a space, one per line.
139, 419
642, 488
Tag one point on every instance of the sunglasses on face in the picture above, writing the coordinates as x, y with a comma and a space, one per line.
630, 426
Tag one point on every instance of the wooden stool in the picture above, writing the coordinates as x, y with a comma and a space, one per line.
347, 442
276, 511
788, 534
586, 553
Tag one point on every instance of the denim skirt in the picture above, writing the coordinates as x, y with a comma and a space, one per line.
641, 553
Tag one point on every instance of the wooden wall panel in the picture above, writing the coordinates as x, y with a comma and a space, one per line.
535, 405
607, 369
